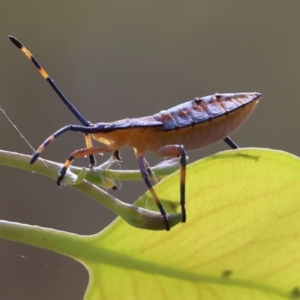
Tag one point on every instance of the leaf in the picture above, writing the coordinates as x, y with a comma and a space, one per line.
241, 239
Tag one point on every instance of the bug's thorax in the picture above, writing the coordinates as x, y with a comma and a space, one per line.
133, 137
111, 139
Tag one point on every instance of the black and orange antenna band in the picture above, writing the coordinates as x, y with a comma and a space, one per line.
70, 106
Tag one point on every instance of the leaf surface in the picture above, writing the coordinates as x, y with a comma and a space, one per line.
240, 241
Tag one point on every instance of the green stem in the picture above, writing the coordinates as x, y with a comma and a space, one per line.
135, 216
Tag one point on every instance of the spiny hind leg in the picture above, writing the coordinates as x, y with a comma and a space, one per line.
177, 151
80, 153
150, 172
144, 167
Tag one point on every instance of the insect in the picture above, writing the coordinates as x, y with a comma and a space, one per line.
169, 133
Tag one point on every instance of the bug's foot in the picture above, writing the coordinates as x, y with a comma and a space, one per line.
59, 179
166, 222
183, 214
62, 173
92, 161
34, 157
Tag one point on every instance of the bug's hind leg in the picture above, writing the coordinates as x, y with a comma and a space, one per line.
230, 143
80, 153
150, 172
143, 165
177, 151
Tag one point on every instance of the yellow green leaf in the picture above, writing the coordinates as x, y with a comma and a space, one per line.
241, 239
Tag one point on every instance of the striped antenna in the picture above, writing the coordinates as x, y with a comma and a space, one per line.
70, 106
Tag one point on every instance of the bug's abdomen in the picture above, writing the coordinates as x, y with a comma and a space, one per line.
204, 121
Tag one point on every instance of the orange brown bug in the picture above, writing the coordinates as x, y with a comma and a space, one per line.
169, 133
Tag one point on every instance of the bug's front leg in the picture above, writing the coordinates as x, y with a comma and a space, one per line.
177, 151
89, 144
80, 153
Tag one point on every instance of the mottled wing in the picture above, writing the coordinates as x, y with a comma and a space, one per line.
203, 109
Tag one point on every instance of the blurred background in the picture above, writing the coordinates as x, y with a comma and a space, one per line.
118, 59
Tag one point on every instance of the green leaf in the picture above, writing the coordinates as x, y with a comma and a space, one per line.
241, 239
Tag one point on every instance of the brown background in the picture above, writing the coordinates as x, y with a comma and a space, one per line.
128, 59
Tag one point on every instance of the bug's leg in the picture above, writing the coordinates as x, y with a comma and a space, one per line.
51, 138
150, 173
80, 153
144, 172
177, 151
230, 143
89, 144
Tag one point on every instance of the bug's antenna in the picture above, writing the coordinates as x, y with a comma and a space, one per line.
70, 106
